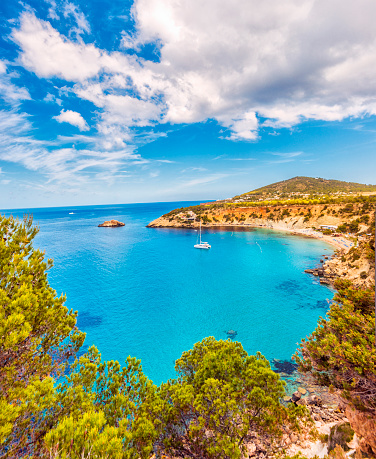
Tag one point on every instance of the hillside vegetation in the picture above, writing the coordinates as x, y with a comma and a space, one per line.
298, 203
305, 187
349, 199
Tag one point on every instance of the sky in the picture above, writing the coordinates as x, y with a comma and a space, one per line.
109, 101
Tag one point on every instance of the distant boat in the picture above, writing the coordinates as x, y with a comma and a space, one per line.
202, 245
71, 213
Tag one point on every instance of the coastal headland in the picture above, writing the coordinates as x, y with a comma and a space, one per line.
340, 213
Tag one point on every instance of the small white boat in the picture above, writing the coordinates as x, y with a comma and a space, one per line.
201, 244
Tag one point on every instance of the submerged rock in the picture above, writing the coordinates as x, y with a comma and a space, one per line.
111, 224
284, 366
231, 333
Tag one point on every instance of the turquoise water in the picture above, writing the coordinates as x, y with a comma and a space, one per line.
148, 293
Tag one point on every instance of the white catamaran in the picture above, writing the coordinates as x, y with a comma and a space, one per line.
202, 245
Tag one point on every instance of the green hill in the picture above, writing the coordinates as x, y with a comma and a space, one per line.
298, 187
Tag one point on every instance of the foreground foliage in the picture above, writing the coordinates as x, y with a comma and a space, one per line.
37, 338
55, 403
222, 399
341, 351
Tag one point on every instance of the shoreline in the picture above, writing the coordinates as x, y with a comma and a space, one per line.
340, 242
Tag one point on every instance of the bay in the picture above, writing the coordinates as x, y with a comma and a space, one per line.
148, 293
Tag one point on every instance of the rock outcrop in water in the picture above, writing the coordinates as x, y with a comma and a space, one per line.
111, 224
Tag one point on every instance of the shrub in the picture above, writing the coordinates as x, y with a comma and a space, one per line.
353, 226
342, 228
220, 396
340, 435
205, 219
345, 360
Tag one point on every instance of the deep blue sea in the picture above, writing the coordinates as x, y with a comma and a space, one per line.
148, 293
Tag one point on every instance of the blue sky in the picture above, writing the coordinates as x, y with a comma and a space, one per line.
163, 100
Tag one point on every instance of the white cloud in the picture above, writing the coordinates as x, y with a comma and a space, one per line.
48, 53
201, 181
52, 98
74, 118
287, 61
244, 128
52, 11
193, 169
235, 62
70, 9
10, 92
194, 184
127, 41
291, 154
240, 159
67, 166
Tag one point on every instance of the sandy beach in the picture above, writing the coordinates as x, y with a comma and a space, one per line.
340, 242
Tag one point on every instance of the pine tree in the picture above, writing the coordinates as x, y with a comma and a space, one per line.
222, 399
38, 335
341, 351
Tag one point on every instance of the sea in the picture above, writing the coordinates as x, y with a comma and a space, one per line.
148, 293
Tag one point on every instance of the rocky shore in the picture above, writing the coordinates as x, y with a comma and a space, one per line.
330, 428
353, 265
